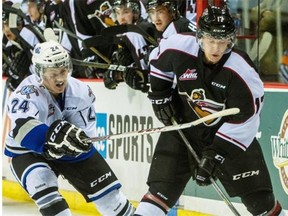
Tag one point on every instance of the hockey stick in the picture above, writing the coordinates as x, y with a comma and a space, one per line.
93, 49
231, 111
120, 29
13, 17
49, 34
260, 48
98, 41
214, 183
120, 68
6, 59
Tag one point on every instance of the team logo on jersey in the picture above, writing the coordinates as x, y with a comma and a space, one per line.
104, 14
279, 145
203, 106
190, 74
91, 94
51, 110
28, 90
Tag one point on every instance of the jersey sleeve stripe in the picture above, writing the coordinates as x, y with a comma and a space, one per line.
30, 134
231, 140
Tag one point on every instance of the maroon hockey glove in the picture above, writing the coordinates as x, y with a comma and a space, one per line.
208, 167
137, 79
64, 138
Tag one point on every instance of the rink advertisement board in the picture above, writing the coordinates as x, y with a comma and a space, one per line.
124, 110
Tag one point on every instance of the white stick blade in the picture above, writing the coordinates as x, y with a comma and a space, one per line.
49, 34
227, 112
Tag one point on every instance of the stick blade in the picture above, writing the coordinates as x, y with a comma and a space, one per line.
49, 34
13, 16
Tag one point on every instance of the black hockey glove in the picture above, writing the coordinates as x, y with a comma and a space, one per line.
163, 106
137, 79
64, 138
18, 70
112, 78
208, 167
124, 57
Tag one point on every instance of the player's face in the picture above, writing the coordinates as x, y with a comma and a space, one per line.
213, 48
55, 79
124, 15
160, 17
33, 11
7, 32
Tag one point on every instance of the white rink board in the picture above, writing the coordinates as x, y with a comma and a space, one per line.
130, 106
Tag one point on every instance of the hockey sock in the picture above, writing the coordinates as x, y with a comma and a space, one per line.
114, 204
145, 208
59, 208
151, 205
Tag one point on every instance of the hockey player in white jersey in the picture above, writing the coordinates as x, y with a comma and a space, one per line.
51, 113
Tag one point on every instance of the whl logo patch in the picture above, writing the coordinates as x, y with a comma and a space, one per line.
190, 74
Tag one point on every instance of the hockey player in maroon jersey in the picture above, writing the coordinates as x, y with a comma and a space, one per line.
167, 21
192, 76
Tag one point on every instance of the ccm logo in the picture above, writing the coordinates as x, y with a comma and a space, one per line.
101, 179
245, 175
56, 131
161, 101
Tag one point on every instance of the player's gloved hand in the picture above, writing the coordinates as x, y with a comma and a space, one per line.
66, 139
137, 79
124, 56
18, 70
163, 106
112, 78
208, 167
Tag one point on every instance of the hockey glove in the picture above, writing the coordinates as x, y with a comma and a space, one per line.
137, 79
124, 57
112, 78
208, 167
18, 70
163, 106
64, 138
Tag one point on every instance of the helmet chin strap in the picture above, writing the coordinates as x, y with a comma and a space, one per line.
228, 49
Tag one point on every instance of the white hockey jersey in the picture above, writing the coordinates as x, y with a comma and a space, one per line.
32, 100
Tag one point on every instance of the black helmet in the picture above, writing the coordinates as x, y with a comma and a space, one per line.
170, 4
217, 23
133, 4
